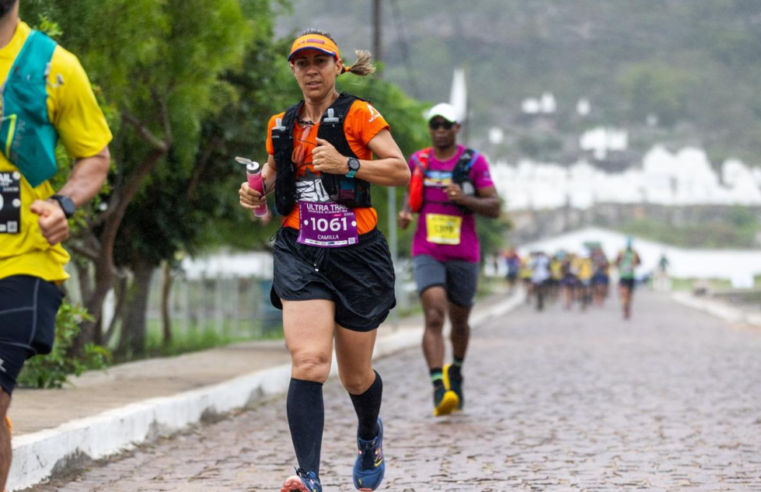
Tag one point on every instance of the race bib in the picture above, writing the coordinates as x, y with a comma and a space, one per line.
438, 179
327, 225
10, 202
443, 229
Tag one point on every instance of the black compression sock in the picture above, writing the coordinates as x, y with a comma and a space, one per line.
367, 405
306, 419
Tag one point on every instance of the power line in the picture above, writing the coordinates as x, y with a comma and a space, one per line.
400, 32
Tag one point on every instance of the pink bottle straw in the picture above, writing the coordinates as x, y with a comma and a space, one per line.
254, 176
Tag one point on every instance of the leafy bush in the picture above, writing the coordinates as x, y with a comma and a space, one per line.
53, 370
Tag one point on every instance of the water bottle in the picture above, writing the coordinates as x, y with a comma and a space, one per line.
254, 177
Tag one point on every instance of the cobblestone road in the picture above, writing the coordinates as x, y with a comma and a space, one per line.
556, 402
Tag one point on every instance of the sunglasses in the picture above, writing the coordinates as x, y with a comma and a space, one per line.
435, 125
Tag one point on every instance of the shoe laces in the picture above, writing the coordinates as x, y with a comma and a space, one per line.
367, 451
311, 476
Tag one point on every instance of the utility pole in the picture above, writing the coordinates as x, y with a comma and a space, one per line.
391, 192
377, 33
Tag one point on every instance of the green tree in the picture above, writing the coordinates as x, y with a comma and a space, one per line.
158, 64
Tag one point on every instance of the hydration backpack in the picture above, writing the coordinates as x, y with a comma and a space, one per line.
27, 136
460, 176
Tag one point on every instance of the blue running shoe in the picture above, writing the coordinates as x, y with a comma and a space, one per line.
370, 467
302, 482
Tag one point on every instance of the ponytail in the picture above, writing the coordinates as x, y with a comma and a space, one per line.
363, 66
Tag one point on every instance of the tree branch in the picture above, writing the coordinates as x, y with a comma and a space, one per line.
145, 133
88, 253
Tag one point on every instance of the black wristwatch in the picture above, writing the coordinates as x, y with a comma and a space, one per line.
67, 205
353, 167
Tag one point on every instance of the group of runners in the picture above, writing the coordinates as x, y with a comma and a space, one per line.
574, 278
333, 275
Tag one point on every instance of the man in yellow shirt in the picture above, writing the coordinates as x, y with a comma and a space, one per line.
33, 217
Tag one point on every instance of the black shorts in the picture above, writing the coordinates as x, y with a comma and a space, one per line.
458, 278
627, 282
28, 308
359, 279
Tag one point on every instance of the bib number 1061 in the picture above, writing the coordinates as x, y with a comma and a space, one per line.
333, 225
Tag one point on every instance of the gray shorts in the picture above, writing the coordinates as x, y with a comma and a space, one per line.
459, 278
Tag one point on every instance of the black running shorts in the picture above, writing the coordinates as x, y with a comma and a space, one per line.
359, 279
459, 278
628, 283
28, 308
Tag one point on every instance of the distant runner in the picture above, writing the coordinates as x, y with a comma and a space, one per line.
585, 271
627, 263
513, 264
601, 278
450, 184
540, 276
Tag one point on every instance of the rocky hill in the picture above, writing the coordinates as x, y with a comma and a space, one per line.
691, 66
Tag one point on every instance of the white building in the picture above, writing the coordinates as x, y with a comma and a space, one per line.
684, 178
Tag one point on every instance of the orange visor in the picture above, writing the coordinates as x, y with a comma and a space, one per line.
314, 42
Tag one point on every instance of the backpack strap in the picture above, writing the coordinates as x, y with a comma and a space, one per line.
282, 143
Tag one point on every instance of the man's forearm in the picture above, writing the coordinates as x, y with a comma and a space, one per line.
87, 178
486, 206
406, 202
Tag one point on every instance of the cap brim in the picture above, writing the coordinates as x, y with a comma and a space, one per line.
438, 115
305, 48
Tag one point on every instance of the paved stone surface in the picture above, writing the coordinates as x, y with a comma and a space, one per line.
557, 401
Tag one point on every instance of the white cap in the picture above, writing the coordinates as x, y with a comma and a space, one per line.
444, 110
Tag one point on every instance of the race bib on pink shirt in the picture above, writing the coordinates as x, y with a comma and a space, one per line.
327, 225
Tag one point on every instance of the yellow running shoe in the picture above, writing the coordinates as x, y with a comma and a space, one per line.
454, 384
444, 402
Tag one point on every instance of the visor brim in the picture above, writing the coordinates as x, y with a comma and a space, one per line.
305, 48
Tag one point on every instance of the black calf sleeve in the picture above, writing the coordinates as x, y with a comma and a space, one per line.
367, 405
306, 419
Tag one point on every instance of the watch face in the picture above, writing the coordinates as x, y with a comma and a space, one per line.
66, 204
353, 164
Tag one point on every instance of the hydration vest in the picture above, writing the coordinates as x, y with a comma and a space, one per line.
27, 136
460, 176
351, 192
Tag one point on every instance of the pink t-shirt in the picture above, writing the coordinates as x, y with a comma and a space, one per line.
453, 233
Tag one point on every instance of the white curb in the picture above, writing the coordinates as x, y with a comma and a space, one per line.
39, 455
717, 309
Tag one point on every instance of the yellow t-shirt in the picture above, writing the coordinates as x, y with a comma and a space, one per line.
82, 129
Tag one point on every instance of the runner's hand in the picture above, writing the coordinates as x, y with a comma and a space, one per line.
53, 222
326, 159
455, 194
404, 219
250, 198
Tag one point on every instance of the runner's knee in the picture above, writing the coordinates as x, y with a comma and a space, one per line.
356, 382
434, 318
311, 367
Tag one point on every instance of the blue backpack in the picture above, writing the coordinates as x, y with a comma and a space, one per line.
27, 137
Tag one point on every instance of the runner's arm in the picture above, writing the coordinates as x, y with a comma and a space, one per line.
252, 199
389, 169
486, 202
86, 180
404, 218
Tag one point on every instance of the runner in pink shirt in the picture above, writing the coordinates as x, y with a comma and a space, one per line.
450, 185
